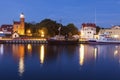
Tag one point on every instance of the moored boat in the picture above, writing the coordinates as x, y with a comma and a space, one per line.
104, 40
62, 41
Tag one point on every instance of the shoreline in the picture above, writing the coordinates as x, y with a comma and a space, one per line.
36, 41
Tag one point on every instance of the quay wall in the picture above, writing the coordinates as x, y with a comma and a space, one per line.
23, 41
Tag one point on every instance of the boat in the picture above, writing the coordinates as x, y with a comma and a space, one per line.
108, 41
103, 39
61, 40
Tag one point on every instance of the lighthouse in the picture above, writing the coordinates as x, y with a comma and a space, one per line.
19, 26
22, 24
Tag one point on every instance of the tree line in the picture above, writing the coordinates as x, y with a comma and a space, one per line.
50, 28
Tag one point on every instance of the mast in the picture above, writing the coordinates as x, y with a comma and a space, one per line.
95, 16
59, 29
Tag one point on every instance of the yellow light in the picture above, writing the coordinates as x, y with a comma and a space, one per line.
29, 47
82, 33
42, 34
28, 31
115, 52
42, 53
116, 36
18, 52
81, 55
95, 53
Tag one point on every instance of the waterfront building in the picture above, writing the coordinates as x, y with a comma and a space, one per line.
88, 31
6, 29
15, 30
19, 26
113, 32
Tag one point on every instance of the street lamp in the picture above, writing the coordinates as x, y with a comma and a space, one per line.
42, 34
29, 32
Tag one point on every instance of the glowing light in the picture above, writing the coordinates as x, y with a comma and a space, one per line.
95, 53
81, 55
1, 49
42, 53
22, 15
82, 33
42, 34
116, 36
115, 52
29, 47
21, 66
1, 32
28, 31
18, 52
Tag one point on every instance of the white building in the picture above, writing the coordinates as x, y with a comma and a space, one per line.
113, 32
88, 31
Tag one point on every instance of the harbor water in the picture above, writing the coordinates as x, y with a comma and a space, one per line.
59, 62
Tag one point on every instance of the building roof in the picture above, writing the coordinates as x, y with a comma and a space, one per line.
16, 22
88, 25
6, 26
116, 26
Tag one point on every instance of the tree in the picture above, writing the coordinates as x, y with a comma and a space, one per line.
50, 28
97, 29
50, 25
71, 28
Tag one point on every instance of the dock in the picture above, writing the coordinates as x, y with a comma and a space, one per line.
21, 41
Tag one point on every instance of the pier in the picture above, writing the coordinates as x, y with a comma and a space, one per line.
24, 41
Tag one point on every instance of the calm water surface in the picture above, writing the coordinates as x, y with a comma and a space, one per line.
59, 62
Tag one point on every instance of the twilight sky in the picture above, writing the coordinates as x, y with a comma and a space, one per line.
69, 11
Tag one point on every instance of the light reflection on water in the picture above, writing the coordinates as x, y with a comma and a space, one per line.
95, 53
81, 54
29, 48
19, 53
21, 66
1, 49
61, 59
42, 53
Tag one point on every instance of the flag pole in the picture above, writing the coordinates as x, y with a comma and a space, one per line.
59, 28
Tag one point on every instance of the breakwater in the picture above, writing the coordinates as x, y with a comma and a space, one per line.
23, 41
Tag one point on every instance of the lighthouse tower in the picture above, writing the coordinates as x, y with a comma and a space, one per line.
19, 26
22, 24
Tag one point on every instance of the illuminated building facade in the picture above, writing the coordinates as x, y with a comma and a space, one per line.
113, 32
19, 27
88, 30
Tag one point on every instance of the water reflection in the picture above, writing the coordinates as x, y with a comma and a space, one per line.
21, 66
29, 48
95, 53
18, 52
1, 49
42, 53
81, 55
87, 53
64, 56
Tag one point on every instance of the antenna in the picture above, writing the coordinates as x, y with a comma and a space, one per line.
95, 16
